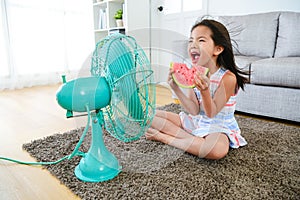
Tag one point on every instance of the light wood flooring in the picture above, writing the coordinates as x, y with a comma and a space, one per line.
30, 114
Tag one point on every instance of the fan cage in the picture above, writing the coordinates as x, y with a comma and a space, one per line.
110, 49
125, 120
128, 72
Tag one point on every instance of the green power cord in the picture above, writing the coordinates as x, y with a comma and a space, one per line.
75, 152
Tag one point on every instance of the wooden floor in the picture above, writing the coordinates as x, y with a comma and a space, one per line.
26, 115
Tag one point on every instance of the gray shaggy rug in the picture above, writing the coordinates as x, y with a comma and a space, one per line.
267, 168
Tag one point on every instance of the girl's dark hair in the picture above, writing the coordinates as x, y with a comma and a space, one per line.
221, 37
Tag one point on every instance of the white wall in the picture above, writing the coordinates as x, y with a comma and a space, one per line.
239, 7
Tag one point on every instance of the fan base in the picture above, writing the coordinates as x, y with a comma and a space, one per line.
92, 170
98, 164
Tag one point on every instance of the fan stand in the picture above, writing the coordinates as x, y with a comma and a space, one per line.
98, 164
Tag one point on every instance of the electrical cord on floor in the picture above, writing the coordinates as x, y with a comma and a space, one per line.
75, 152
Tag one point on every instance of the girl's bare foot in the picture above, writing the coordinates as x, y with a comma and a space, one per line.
153, 134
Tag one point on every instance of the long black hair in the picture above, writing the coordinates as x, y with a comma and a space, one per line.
221, 37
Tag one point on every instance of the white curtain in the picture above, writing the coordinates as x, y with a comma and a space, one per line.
42, 39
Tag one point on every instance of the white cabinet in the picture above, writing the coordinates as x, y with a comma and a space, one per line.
104, 20
135, 19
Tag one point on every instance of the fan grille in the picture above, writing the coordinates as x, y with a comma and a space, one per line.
128, 71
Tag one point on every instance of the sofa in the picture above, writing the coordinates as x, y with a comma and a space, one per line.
267, 45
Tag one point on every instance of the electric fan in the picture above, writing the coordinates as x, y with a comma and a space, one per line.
118, 96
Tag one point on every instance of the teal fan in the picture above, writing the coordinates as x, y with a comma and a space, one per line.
118, 96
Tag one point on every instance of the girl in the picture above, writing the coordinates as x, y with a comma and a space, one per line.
210, 128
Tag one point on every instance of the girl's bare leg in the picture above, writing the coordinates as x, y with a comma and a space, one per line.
214, 146
172, 117
166, 128
169, 123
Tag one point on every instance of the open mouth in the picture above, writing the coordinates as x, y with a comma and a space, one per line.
195, 57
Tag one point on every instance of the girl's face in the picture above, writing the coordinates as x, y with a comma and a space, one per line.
201, 48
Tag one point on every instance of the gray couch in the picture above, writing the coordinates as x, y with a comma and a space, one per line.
268, 46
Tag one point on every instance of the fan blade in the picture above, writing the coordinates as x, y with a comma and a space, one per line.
122, 63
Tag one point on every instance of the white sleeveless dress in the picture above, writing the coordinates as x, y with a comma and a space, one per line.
201, 125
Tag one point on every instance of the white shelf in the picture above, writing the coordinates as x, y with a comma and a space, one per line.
104, 12
135, 17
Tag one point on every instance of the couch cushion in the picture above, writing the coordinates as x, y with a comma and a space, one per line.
288, 42
244, 62
270, 101
283, 72
253, 34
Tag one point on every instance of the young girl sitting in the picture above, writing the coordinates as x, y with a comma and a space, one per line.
210, 127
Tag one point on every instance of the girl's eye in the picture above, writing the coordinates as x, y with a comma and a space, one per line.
201, 40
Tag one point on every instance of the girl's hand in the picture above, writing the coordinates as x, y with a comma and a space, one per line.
171, 81
201, 81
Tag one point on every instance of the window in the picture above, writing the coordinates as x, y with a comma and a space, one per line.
36, 37
44, 40
191, 5
4, 70
177, 6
